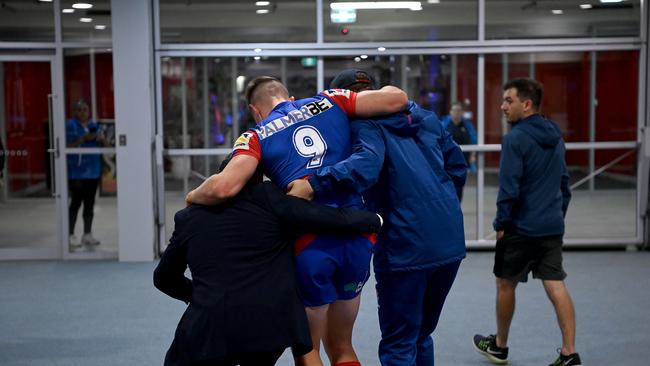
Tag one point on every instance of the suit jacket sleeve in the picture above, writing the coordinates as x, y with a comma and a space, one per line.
358, 172
169, 275
299, 214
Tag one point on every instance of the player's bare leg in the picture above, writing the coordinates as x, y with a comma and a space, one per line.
338, 337
317, 317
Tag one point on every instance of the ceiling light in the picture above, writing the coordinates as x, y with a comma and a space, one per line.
381, 49
585, 6
257, 50
263, 3
67, 11
363, 57
413, 5
100, 27
557, 11
45, 1
433, 1
85, 20
343, 16
82, 6
257, 58
357, 59
611, 1
262, 11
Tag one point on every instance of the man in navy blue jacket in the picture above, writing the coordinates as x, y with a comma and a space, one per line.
408, 167
532, 202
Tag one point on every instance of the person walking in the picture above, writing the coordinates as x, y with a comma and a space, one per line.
532, 202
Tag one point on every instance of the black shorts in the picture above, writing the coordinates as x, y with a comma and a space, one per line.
517, 255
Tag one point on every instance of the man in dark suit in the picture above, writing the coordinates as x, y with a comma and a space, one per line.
244, 308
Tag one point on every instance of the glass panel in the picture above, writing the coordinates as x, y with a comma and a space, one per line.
515, 19
93, 24
613, 199
424, 21
616, 111
26, 21
566, 80
232, 21
200, 94
90, 123
27, 208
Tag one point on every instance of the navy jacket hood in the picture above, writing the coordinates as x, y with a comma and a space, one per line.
544, 132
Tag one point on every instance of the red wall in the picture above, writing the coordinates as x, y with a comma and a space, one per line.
26, 85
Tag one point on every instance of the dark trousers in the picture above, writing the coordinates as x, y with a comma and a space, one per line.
410, 303
252, 359
82, 190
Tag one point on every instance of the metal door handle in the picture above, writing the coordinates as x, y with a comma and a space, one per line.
54, 146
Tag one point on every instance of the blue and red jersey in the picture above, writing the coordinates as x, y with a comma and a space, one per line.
301, 136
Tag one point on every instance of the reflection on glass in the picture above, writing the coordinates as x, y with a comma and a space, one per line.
92, 24
203, 101
566, 79
518, 19
233, 21
26, 21
430, 21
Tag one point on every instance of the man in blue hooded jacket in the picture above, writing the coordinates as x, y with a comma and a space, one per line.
408, 167
532, 202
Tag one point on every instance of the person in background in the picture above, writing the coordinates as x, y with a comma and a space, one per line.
84, 172
244, 306
463, 132
532, 202
408, 168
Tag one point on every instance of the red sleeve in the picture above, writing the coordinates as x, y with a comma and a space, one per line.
345, 99
248, 144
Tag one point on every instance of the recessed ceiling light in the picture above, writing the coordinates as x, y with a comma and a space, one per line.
263, 3
262, 11
100, 27
611, 1
585, 6
67, 11
381, 49
45, 1
363, 57
361, 5
85, 20
433, 1
257, 58
357, 59
257, 50
82, 6
557, 11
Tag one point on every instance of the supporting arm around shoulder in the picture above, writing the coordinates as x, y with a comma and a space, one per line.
220, 187
359, 171
387, 100
300, 214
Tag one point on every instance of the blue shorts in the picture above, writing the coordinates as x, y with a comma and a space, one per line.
332, 267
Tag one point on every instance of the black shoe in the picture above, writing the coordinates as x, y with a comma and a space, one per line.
487, 346
570, 360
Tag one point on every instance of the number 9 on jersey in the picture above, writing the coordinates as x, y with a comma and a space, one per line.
309, 143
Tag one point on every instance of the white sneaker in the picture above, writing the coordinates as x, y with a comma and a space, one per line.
74, 241
88, 239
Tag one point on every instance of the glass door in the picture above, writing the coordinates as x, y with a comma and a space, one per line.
29, 159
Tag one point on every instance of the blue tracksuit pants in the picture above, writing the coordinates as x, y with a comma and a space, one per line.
410, 303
